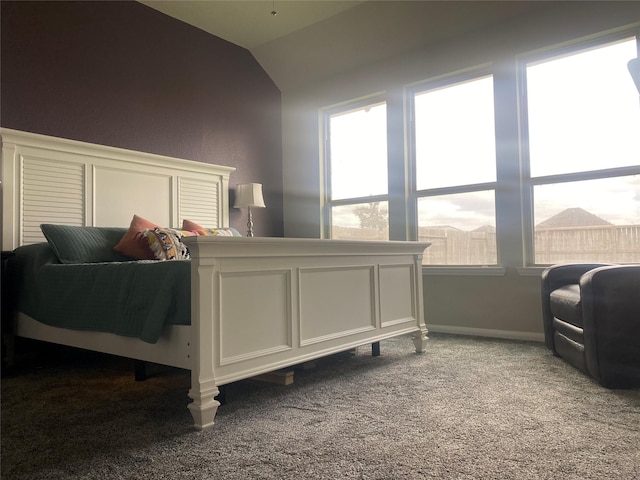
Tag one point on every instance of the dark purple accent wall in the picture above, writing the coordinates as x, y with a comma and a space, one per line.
122, 74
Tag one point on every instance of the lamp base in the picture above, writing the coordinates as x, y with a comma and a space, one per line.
250, 224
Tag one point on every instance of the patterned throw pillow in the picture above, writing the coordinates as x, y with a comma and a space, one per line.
166, 243
223, 232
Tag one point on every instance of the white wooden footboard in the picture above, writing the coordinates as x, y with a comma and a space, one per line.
260, 304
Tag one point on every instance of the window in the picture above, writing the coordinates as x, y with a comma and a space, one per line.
356, 205
533, 163
583, 119
455, 172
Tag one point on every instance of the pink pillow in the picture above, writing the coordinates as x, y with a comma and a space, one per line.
133, 244
193, 227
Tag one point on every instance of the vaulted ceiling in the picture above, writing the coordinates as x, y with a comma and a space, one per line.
308, 40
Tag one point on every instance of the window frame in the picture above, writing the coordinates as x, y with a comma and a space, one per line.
513, 188
439, 83
528, 183
327, 202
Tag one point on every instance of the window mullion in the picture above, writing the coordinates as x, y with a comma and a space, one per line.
511, 222
397, 168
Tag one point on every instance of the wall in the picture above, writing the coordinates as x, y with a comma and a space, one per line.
501, 302
122, 74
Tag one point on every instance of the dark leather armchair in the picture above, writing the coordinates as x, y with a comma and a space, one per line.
591, 315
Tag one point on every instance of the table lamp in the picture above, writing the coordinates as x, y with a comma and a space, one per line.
249, 195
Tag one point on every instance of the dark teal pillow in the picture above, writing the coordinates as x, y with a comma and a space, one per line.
73, 244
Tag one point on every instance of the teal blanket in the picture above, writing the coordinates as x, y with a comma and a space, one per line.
131, 298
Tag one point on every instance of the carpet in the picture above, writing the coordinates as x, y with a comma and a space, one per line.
467, 408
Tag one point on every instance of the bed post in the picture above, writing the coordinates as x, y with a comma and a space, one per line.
419, 338
203, 384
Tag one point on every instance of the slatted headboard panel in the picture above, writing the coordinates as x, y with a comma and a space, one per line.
54, 180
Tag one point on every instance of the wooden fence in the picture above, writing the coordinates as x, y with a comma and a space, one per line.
602, 243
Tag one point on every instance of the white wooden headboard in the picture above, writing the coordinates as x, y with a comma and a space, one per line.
53, 180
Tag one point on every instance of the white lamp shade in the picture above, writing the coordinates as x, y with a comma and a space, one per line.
249, 195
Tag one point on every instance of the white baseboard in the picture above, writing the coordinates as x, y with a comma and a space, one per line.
486, 332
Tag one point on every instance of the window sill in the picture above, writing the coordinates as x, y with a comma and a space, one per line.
530, 271
480, 271
470, 271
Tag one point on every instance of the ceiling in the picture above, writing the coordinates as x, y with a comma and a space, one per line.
249, 23
308, 40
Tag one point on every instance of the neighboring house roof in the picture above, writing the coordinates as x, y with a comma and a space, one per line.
486, 229
573, 217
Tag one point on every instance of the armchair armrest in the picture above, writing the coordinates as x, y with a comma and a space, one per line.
552, 278
611, 315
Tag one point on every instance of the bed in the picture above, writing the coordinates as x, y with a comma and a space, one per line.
256, 304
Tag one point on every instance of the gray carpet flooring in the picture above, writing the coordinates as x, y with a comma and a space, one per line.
467, 408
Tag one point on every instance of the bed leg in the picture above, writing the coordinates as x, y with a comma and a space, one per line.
375, 349
204, 406
420, 340
140, 370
